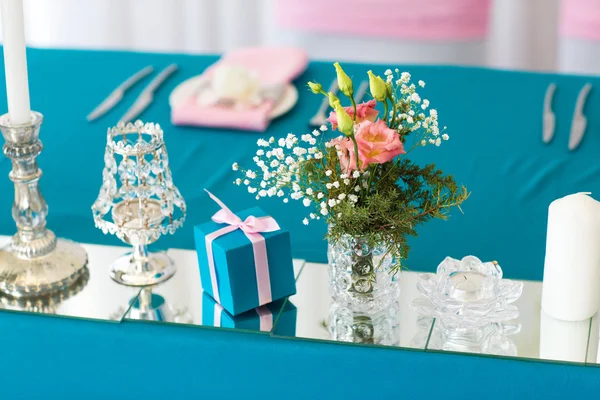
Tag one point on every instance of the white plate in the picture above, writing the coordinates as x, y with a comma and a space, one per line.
186, 89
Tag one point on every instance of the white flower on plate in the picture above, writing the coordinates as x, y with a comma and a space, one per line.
237, 84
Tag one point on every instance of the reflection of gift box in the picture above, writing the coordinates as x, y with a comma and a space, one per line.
260, 319
248, 269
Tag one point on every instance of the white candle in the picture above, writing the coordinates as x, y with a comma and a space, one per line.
466, 286
15, 61
571, 289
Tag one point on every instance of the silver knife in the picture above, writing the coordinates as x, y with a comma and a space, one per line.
118, 93
549, 118
360, 93
147, 95
579, 123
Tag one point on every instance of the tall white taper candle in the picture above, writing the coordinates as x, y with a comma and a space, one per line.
15, 61
571, 289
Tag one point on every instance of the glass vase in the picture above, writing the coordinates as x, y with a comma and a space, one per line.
360, 277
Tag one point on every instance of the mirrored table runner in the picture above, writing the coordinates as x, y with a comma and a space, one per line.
182, 300
533, 335
94, 296
397, 325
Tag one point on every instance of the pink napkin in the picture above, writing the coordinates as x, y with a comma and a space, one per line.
273, 65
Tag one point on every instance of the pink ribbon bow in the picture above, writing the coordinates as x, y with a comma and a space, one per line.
252, 228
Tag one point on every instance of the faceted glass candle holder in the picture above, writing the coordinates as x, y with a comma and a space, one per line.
360, 277
381, 327
467, 293
138, 201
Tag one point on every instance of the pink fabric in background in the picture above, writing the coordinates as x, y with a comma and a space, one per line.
580, 19
403, 19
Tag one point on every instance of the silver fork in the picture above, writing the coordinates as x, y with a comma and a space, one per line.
320, 118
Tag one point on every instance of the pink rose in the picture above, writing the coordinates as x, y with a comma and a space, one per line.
364, 112
345, 148
377, 144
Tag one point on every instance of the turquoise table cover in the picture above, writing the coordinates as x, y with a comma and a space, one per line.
494, 120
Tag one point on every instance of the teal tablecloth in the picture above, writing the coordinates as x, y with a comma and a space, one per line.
494, 120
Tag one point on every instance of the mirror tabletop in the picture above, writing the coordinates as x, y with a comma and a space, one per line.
533, 335
94, 296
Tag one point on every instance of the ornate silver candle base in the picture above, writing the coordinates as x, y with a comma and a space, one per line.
139, 268
35, 263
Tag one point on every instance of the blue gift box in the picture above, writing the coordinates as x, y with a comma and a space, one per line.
282, 313
234, 264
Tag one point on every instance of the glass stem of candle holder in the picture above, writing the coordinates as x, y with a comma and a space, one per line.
140, 257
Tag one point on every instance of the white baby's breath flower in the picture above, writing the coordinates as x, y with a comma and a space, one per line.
324, 211
263, 184
296, 195
280, 193
343, 176
309, 191
336, 184
331, 202
415, 97
305, 221
285, 200
262, 193
433, 112
274, 163
388, 72
323, 128
355, 174
306, 202
353, 198
320, 195
271, 192
262, 143
342, 196
318, 155
238, 181
328, 172
357, 189
251, 174
246, 182
422, 83
346, 181
235, 166
316, 133
295, 187
411, 113
438, 141
410, 120
281, 142
312, 216
252, 189
328, 185
445, 136
423, 142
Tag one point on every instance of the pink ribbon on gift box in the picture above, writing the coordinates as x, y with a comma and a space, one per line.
252, 228
265, 315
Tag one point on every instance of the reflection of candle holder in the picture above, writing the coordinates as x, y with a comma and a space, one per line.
379, 327
45, 304
143, 203
148, 306
35, 263
467, 293
486, 339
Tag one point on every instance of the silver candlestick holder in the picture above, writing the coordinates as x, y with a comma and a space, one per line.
138, 201
35, 262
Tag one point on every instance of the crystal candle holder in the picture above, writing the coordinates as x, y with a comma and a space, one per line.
467, 293
138, 201
379, 327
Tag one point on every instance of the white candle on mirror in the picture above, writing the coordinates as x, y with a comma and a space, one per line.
571, 289
15, 61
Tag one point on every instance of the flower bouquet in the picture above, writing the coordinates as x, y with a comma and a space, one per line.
361, 181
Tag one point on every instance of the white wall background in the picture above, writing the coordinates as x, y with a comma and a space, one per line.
523, 33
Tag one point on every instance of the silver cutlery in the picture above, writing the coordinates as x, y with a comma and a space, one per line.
147, 95
360, 93
579, 123
320, 118
549, 117
118, 93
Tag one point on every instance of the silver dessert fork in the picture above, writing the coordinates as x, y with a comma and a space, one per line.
549, 118
320, 118
579, 123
